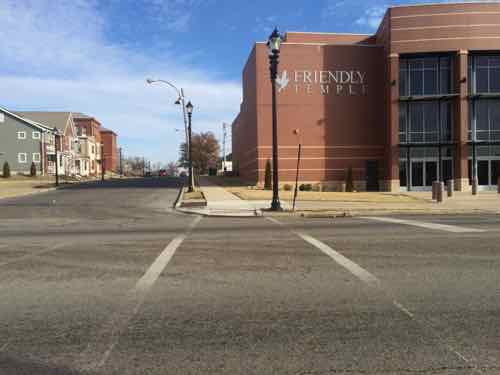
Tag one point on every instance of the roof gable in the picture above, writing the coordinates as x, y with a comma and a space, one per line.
59, 120
34, 124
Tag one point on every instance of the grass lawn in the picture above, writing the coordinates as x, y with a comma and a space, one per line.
238, 188
20, 185
247, 194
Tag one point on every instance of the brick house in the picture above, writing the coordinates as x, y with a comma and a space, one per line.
89, 137
108, 138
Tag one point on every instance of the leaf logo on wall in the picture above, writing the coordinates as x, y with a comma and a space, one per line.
282, 81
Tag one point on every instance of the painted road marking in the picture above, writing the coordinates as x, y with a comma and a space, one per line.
372, 281
348, 264
423, 224
99, 350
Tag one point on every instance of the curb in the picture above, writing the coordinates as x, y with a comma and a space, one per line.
208, 213
178, 201
29, 193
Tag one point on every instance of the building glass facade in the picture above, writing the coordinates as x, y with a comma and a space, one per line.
415, 102
425, 120
484, 123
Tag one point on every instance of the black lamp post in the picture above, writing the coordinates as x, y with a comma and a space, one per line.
189, 109
273, 45
56, 136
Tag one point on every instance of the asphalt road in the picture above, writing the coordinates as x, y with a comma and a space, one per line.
107, 279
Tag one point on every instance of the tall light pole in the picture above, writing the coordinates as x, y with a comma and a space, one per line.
189, 108
180, 100
273, 46
103, 171
56, 136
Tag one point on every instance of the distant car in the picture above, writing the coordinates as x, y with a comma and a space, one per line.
162, 173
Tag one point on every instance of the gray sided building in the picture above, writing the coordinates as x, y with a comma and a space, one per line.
23, 142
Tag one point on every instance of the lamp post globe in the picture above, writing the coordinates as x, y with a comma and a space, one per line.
274, 42
189, 110
274, 45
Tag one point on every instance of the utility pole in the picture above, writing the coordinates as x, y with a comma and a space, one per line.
56, 139
121, 165
224, 135
103, 171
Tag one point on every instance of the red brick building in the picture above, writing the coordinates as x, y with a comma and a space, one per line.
111, 158
417, 101
88, 131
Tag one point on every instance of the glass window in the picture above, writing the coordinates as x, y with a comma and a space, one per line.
446, 123
430, 62
430, 82
403, 78
486, 114
495, 150
22, 157
482, 61
445, 75
425, 76
416, 117
481, 115
430, 117
481, 79
494, 79
486, 70
416, 137
431, 152
417, 153
494, 115
482, 135
416, 82
483, 150
494, 61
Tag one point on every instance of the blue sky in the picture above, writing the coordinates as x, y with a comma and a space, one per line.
94, 56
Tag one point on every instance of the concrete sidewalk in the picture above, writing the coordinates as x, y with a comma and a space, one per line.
221, 202
461, 202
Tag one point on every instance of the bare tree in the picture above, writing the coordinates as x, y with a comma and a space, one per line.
205, 152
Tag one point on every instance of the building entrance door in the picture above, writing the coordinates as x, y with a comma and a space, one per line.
417, 175
495, 171
425, 172
483, 172
423, 168
430, 172
372, 175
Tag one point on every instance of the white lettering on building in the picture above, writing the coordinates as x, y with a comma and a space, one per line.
340, 82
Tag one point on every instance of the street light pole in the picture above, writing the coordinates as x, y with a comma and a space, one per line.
180, 100
56, 134
103, 171
189, 108
273, 46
